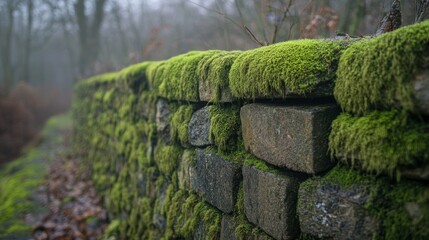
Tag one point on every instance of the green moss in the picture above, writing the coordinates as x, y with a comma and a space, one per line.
380, 141
224, 127
293, 67
402, 208
176, 78
167, 158
214, 69
179, 123
135, 76
19, 181
244, 229
378, 73
112, 229
252, 161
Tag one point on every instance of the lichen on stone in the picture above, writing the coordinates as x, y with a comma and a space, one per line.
402, 209
377, 73
293, 67
380, 142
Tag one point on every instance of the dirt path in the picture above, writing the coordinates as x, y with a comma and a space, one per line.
46, 194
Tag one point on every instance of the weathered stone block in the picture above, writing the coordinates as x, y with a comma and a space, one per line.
201, 232
227, 230
207, 93
163, 120
199, 128
216, 180
421, 91
185, 172
327, 210
270, 202
294, 137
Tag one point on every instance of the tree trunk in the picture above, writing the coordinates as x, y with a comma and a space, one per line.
7, 47
28, 40
89, 34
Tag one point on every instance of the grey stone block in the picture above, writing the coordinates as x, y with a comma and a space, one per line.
327, 210
293, 137
186, 170
207, 94
199, 128
200, 232
162, 120
216, 180
270, 202
227, 230
421, 92
420, 173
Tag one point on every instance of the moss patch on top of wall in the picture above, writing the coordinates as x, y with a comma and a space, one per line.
135, 76
215, 69
378, 73
293, 67
380, 141
176, 78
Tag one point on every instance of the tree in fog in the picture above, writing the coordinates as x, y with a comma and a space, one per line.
89, 22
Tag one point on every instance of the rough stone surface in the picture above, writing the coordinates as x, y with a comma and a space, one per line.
421, 173
207, 93
163, 120
199, 128
328, 210
421, 92
228, 226
200, 232
293, 137
158, 220
270, 202
185, 172
216, 180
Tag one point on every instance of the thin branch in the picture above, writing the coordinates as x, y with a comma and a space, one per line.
421, 8
277, 26
243, 27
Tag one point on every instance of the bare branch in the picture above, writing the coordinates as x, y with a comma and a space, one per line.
241, 26
421, 8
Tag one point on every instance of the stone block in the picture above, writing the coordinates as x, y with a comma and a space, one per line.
293, 137
421, 92
270, 202
162, 120
216, 180
199, 128
186, 171
201, 232
227, 229
207, 93
327, 210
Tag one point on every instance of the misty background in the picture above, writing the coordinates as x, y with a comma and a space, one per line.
47, 45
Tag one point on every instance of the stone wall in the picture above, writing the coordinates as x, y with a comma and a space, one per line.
310, 139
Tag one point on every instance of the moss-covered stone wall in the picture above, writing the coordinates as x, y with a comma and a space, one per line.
304, 139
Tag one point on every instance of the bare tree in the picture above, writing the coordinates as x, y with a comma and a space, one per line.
7, 25
89, 27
